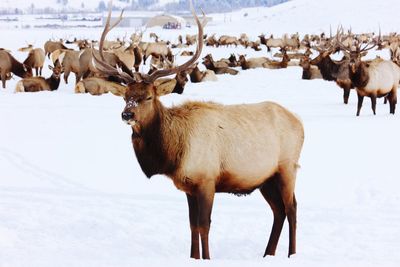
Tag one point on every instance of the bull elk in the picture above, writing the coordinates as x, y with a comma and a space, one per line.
376, 78
199, 146
36, 84
9, 64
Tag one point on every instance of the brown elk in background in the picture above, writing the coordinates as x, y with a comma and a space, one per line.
99, 86
219, 67
8, 64
200, 147
197, 75
51, 46
35, 59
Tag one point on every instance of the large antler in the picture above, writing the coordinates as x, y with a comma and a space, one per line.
165, 72
101, 64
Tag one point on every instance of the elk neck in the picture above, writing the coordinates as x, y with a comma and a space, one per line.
160, 144
53, 82
360, 77
17, 67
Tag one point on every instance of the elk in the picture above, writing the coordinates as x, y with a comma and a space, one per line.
197, 75
252, 63
69, 60
272, 64
99, 86
376, 78
9, 64
211, 41
310, 72
156, 49
333, 70
35, 59
51, 46
86, 67
219, 67
36, 84
200, 147
190, 39
228, 40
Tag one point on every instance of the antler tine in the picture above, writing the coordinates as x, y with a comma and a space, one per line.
100, 64
108, 28
161, 73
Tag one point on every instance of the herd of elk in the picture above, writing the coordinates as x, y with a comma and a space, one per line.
198, 145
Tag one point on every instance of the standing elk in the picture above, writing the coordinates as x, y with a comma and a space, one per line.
376, 78
69, 60
200, 146
334, 70
51, 46
9, 64
35, 59
36, 84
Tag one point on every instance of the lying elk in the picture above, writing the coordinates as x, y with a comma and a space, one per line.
197, 75
35, 59
211, 41
310, 72
228, 40
8, 64
220, 67
99, 86
36, 84
252, 63
199, 146
377, 78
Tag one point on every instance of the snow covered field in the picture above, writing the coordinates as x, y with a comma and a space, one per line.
73, 194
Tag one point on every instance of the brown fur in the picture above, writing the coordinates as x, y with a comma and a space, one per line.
36, 84
99, 86
35, 60
8, 64
180, 141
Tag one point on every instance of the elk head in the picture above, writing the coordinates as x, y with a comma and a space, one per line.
143, 90
356, 53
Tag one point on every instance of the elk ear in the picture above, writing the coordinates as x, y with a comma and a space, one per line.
164, 86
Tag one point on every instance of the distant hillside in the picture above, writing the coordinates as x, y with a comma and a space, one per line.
171, 6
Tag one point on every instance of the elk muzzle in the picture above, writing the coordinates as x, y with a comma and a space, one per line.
127, 116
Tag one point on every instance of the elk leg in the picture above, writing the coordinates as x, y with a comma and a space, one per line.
205, 199
37, 71
3, 79
287, 183
77, 78
392, 97
346, 94
272, 195
194, 226
373, 103
359, 104
66, 74
40, 71
385, 100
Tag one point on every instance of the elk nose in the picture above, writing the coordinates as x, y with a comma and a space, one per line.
126, 116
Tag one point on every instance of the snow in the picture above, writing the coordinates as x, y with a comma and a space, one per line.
73, 194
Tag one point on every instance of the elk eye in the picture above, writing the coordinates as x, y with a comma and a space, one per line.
149, 98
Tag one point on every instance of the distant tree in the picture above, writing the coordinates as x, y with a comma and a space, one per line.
102, 6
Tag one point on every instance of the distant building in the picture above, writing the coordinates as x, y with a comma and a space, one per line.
166, 21
134, 19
